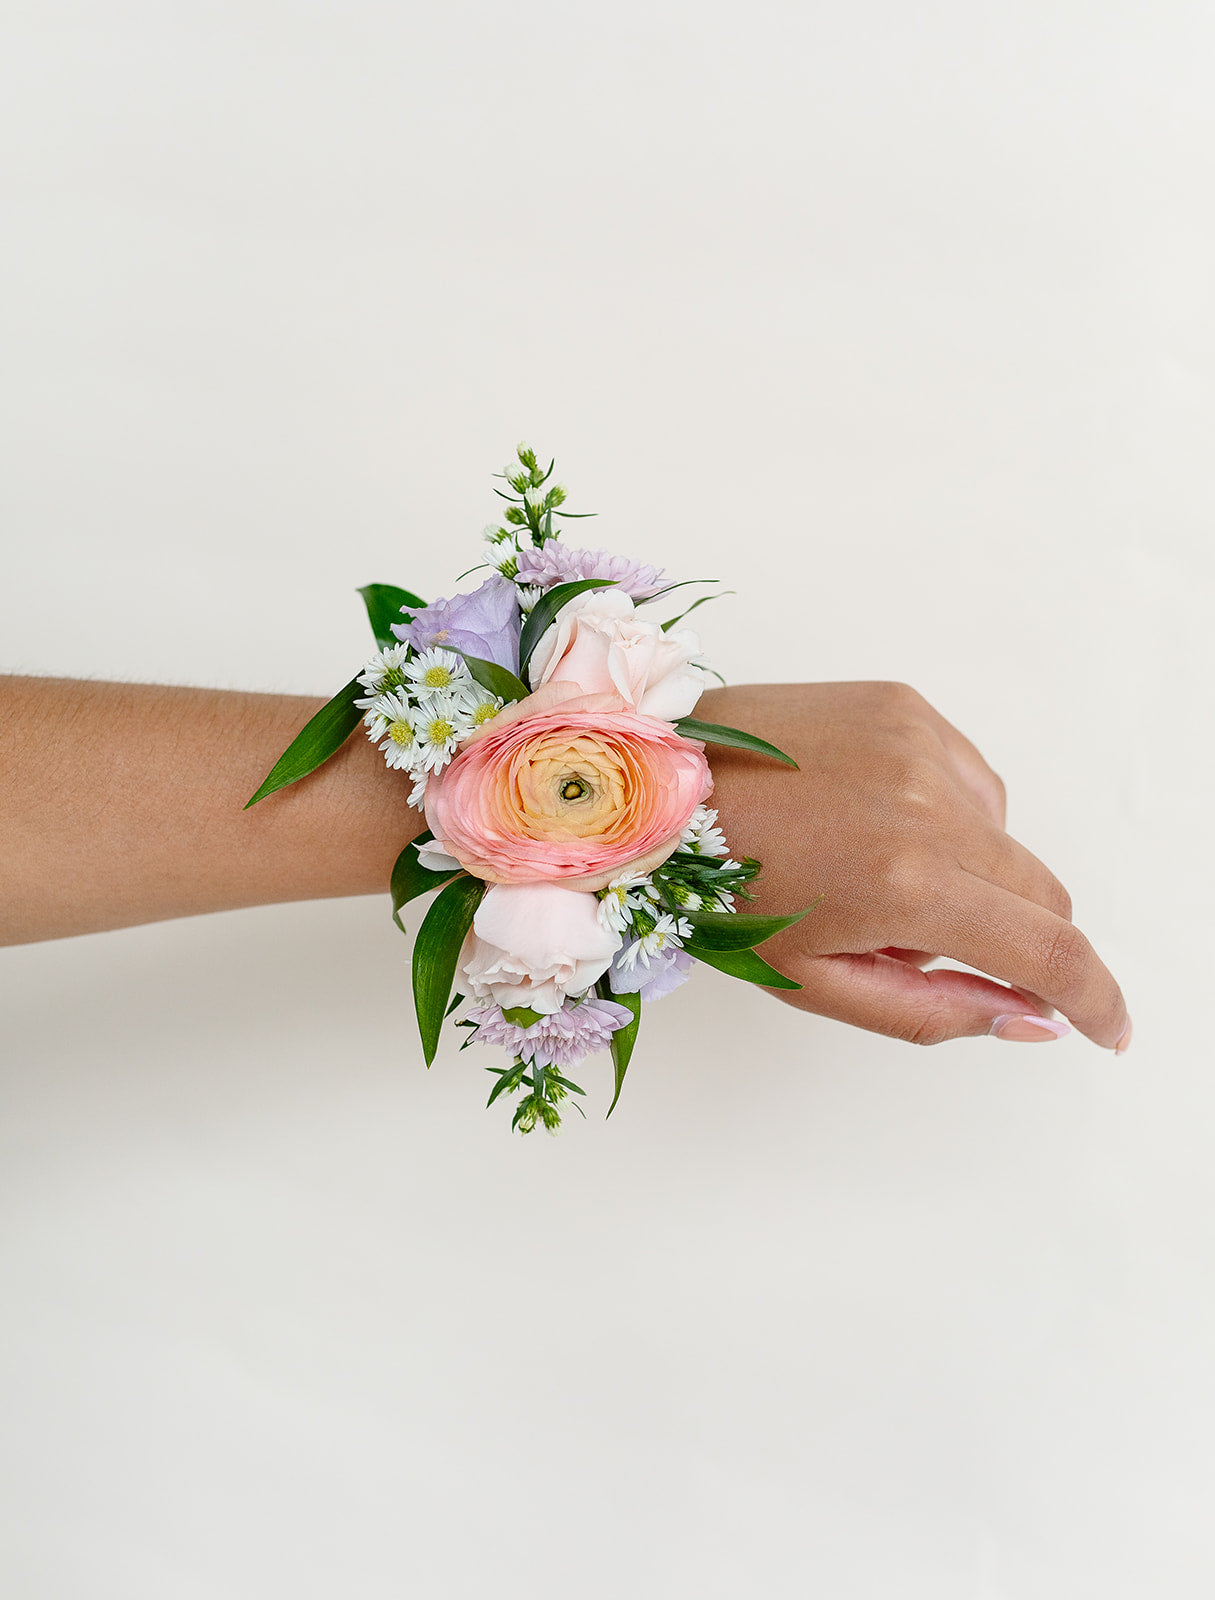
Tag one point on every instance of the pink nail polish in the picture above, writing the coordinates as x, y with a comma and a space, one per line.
1124, 1043
1027, 1029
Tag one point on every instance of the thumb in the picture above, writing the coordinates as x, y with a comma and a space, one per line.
885, 995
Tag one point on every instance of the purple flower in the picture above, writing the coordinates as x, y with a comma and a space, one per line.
560, 1040
553, 563
668, 968
484, 623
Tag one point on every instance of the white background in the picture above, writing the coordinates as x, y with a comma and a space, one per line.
899, 320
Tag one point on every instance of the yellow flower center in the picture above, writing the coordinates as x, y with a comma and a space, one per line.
401, 734
436, 677
439, 731
484, 712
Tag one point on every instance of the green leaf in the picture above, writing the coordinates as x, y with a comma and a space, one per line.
435, 954
410, 878
385, 602
455, 1001
498, 680
711, 733
546, 608
509, 1078
316, 741
667, 626
522, 1016
624, 1038
741, 964
684, 583
737, 930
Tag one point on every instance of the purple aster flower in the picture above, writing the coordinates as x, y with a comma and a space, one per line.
668, 968
560, 1040
552, 562
484, 623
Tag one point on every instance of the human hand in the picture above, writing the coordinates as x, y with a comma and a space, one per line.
898, 822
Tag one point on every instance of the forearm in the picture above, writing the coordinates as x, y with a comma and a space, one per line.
124, 803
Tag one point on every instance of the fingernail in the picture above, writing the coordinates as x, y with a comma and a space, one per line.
1124, 1043
1027, 1029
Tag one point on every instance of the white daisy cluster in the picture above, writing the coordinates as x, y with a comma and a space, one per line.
631, 892
702, 836
419, 706
655, 934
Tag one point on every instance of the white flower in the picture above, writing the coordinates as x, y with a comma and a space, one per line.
668, 932
433, 857
531, 944
439, 723
435, 670
417, 794
702, 838
632, 891
383, 673
391, 720
517, 475
493, 534
482, 706
536, 496
529, 593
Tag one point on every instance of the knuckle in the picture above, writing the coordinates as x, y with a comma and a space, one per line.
906, 879
919, 785
926, 1028
1064, 961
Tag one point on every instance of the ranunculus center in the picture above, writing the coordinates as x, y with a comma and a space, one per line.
575, 789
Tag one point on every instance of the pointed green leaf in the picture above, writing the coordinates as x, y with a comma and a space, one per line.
385, 602
704, 599
498, 680
624, 1038
737, 930
522, 1016
546, 608
435, 954
319, 738
711, 733
410, 878
741, 964
509, 1078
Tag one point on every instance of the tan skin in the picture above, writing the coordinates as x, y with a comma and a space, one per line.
122, 804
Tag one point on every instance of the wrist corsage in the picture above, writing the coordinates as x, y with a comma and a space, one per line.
543, 723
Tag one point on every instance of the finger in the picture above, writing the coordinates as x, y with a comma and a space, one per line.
1003, 860
891, 997
1024, 944
914, 958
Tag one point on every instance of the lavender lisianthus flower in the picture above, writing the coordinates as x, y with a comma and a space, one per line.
668, 968
484, 623
559, 1040
552, 562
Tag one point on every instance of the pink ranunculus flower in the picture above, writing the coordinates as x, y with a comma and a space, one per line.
600, 643
567, 789
532, 944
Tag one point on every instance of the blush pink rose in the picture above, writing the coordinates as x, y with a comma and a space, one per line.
532, 944
600, 643
567, 788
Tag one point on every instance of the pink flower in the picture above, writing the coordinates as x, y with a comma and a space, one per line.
571, 789
599, 643
532, 944
554, 563
561, 1038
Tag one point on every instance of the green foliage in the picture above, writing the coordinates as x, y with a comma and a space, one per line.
737, 930
522, 1016
711, 733
741, 964
624, 1038
436, 952
410, 878
321, 737
385, 604
498, 680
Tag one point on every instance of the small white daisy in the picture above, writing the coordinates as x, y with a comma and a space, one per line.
529, 593
493, 534
439, 723
391, 721
418, 793
701, 837
536, 496
668, 931
632, 891
435, 670
383, 673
